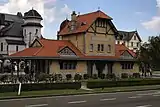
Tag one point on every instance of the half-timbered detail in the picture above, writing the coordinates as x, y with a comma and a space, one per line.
85, 45
66, 52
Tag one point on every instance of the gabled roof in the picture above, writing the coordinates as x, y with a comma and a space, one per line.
49, 48
83, 22
120, 49
12, 25
127, 35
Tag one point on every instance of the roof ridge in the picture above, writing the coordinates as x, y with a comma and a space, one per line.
38, 51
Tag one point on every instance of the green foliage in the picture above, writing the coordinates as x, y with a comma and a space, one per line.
124, 75
39, 86
86, 76
111, 76
122, 83
3, 78
68, 76
136, 75
78, 77
102, 76
149, 52
95, 76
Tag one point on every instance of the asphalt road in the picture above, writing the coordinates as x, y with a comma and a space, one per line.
121, 99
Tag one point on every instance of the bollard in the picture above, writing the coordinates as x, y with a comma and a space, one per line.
19, 90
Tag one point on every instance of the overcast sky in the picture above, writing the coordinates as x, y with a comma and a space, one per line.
140, 15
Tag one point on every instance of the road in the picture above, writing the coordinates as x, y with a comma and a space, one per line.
149, 98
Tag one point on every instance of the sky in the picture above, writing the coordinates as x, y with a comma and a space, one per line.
128, 15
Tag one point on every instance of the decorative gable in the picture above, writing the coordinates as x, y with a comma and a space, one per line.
66, 51
36, 43
126, 55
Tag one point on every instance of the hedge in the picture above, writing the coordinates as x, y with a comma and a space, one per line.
122, 83
39, 86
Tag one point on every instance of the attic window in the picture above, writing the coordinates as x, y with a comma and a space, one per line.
67, 52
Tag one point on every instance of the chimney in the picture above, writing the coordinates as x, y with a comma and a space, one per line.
73, 20
73, 16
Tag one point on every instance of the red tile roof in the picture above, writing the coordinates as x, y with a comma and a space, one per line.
120, 48
87, 19
49, 48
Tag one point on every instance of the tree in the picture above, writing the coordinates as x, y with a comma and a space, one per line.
149, 54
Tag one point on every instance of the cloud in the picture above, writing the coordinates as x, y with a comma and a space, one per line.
49, 9
154, 23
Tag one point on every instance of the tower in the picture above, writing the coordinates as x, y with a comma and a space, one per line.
32, 26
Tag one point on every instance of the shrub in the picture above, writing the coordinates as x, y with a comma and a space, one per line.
136, 75
42, 77
124, 75
102, 76
111, 76
58, 77
68, 76
122, 83
3, 78
86, 76
95, 76
77, 77
39, 86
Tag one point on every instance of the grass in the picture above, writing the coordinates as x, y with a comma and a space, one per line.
73, 91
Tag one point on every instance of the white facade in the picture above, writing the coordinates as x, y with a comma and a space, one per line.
133, 44
31, 33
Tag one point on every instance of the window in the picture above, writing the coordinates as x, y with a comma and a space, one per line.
91, 47
101, 23
1, 46
127, 65
99, 46
7, 48
36, 31
134, 37
131, 43
109, 48
137, 44
102, 47
68, 65
25, 32
17, 48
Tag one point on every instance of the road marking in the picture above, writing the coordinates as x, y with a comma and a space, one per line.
144, 106
22, 99
76, 102
156, 95
108, 99
135, 97
37, 105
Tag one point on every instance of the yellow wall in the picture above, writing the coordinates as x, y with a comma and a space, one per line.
80, 69
77, 40
100, 37
118, 70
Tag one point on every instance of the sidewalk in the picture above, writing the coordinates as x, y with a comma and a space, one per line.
47, 93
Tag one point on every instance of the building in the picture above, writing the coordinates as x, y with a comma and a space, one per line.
17, 32
85, 45
131, 39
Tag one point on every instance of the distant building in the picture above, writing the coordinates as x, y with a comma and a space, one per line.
131, 39
17, 32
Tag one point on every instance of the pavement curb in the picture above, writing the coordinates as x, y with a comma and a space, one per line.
52, 95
